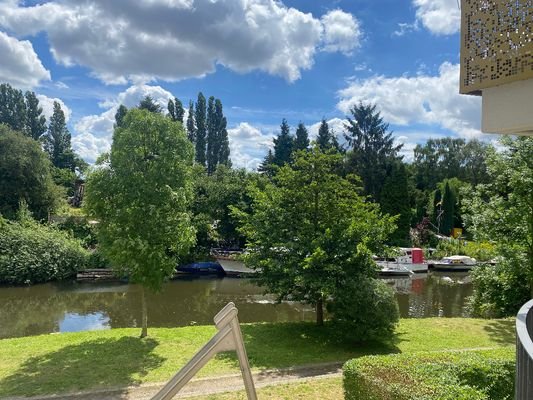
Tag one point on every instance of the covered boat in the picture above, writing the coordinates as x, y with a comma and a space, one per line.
202, 268
455, 263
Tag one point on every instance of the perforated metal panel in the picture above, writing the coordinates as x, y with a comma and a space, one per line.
496, 43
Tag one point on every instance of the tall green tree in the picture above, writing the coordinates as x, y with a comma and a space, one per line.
309, 230
191, 126
120, 115
283, 145
35, 120
326, 139
12, 108
222, 147
141, 197
25, 176
57, 140
148, 103
448, 210
175, 110
301, 140
201, 129
212, 136
372, 148
267, 166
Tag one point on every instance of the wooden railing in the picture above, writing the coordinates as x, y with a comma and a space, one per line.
524, 352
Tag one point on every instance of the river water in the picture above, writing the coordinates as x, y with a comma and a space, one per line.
71, 306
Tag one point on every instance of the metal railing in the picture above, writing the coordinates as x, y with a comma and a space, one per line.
524, 352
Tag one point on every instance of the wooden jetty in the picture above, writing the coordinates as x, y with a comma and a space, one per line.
99, 275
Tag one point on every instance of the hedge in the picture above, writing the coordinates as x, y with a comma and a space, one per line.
34, 253
463, 375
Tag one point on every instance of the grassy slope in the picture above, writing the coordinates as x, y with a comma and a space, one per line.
79, 361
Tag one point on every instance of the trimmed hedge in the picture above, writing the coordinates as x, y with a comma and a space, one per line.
463, 375
34, 253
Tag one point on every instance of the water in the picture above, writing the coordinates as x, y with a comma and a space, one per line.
71, 306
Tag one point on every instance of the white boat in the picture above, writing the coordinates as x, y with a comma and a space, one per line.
411, 259
455, 263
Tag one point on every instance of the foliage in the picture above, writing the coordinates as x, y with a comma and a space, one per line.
79, 228
372, 148
35, 120
12, 108
468, 375
57, 140
481, 251
119, 115
191, 127
217, 136
148, 103
326, 139
283, 145
422, 235
175, 110
448, 210
500, 290
34, 253
365, 309
502, 210
200, 129
25, 176
141, 198
301, 140
308, 231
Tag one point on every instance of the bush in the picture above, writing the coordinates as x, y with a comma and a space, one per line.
79, 228
481, 251
467, 375
365, 309
500, 290
33, 253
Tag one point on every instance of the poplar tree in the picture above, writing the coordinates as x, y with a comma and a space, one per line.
12, 108
175, 110
119, 116
283, 145
301, 141
222, 147
201, 132
191, 127
57, 140
212, 133
35, 120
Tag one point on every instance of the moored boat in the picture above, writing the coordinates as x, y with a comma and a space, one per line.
455, 263
411, 259
201, 268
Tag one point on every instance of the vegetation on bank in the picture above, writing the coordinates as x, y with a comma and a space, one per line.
89, 360
467, 375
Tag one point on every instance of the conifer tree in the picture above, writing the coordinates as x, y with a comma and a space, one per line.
119, 116
35, 120
191, 127
212, 133
301, 141
148, 103
267, 167
201, 129
323, 139
283, 145
57, 141
222, 145
448, 209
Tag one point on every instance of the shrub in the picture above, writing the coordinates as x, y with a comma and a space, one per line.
79, 228
481, 251
33, 253
466, 375
365, 309
501, 290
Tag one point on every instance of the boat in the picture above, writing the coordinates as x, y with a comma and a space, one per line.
455, 263
231, 263
392, 270
201, 268
411, 259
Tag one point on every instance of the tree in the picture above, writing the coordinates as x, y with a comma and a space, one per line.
283, 145
201, 129
212, 136
25, 176
372, 147
175, 110
57, 140
268, 167
141, 197
301, 141
191, 127
308, 231
395, 201
119, 116
502, 210
12, 108
148, 103
222, 147
35, 120
448, 210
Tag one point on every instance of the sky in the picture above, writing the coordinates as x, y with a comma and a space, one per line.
266, 60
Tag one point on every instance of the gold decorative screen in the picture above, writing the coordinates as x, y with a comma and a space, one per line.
496, 43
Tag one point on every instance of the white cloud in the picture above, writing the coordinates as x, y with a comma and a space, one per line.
336, 125
172, 40
432, 100
441, 17
248, 145
405, 28
20, 65
341, 32
93, 133
47, 104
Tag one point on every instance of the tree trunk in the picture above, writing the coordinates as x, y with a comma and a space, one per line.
320, 312
144, 331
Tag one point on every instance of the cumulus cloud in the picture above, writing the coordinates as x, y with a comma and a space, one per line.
248, 145
441, 17
432, 100
93, 133
20, 65
171, 40
341, 32
47, 104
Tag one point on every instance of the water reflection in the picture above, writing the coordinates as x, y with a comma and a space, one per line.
71, 306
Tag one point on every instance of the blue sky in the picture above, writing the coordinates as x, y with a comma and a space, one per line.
266, 60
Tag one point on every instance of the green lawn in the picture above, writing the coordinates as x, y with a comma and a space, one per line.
79, 361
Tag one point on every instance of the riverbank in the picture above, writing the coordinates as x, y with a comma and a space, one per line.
71, 362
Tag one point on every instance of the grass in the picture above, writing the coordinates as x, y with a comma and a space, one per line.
62, 363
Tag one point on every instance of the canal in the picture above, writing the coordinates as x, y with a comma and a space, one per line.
71, 306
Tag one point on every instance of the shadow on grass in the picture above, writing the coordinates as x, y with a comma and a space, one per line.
501, 331
92, 364
285, 345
